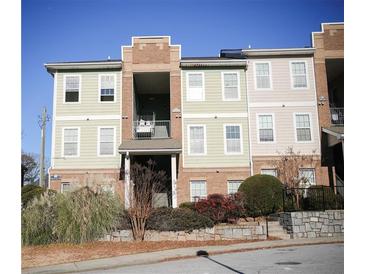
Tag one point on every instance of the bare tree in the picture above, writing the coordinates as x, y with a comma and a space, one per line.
30, 168
146, 181
288, 166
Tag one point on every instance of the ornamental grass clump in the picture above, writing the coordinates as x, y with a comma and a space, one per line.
84, 215
75, 217
38, 220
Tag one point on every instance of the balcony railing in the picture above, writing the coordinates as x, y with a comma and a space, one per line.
337, 116
151, 129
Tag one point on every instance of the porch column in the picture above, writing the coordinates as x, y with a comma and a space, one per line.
126, 180
173, 180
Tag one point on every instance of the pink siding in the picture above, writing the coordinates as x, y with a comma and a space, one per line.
272, 101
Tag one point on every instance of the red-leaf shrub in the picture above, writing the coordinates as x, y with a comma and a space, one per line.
220, 208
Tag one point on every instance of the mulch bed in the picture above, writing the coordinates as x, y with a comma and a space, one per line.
34, 256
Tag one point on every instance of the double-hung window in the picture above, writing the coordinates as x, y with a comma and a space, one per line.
303, 127
269, 171
266, 128
308, 174
232, 134
106, 141
71, 142
107, 88
65, 187
233, 186
263, 75
197, 143
195, 86
198, 190
231, 91
299, 74
72, 88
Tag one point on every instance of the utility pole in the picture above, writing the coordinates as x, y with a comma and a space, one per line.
42, 124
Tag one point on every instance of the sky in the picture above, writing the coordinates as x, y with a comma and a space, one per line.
74, 30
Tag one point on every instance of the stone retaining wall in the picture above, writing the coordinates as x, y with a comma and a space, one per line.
219, 232
313, 224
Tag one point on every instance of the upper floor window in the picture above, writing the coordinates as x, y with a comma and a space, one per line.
72, 88
303, 127
233, 186
197, 141
269, 171
232, 135
106, 141
198, 190
299, 74
266, 128
195, 86
107, 88
71, 140
231, 91
308, 174
263, 75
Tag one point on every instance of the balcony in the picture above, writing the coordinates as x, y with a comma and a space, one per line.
151, 129
337, 116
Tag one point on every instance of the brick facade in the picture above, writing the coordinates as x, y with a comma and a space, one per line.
329, 44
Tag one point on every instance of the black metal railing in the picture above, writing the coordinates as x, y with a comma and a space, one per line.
316, 198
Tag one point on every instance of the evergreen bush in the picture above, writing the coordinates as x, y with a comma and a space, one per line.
262, 195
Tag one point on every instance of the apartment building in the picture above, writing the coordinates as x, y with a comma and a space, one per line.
209, 122
282, 107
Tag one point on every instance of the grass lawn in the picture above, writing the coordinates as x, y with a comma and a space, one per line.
33, 256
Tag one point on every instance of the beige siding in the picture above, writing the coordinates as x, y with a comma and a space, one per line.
88, 145
213, 94
285, 133
281, 82
215, 156
89, 95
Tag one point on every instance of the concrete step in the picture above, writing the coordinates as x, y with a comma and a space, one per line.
276, 230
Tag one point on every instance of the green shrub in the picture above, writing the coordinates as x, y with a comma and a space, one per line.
262, 195
189, 205
84, 215
177, 219
29, 192
38, 220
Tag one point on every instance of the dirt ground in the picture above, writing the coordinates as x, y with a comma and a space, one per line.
33, 256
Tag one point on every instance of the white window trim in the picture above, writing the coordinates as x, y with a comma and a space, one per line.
258, 128
114, 141
269, 168
78, 142
238, 85
115, 88
314, 174
295, 127
230, 180
191, 189
291, 74
62, 185
205, 139
188, 99
270, 75
225, 140
64, 88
